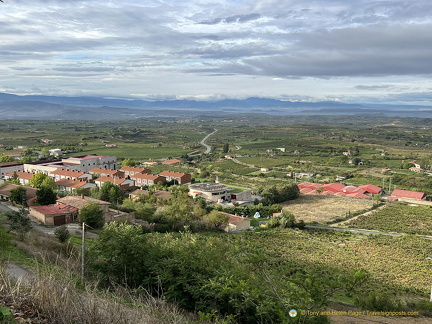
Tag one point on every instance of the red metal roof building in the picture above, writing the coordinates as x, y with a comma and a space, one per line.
399, 193
372, 189
335, 186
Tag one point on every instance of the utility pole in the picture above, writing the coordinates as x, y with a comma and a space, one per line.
390, 186
83, 253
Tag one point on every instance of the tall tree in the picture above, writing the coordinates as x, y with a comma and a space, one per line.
19, 222
225, 148
18, 195
91, 214
128, 163
46, 196
216, 218
38, 179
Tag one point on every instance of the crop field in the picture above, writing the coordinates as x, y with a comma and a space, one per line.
397, 218
394, 264
321, 209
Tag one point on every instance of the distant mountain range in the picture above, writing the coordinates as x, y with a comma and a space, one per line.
98, 108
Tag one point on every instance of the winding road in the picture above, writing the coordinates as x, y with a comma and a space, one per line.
203, 142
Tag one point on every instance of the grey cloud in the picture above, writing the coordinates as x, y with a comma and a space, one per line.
232, 19
83, 69
373, 87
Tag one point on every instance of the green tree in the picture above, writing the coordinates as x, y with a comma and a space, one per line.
28, 152
45, 153
216, 218
14, 179
111, 192
38, 179
26, 159
48, 183
6, 158
62, 233
274, 194
19, 222
91, 214
225, 148
18, 195
407, 165
128, 163
46, 196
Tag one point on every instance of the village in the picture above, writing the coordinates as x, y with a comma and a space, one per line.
76, 176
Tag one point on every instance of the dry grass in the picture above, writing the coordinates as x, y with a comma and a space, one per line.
54, 296
53, 292
321, 209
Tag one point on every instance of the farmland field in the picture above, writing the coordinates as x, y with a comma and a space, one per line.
321, 209
397, 218
395, 264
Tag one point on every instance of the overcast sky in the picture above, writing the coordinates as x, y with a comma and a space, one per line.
310, 50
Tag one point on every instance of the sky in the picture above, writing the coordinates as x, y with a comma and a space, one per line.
363, 51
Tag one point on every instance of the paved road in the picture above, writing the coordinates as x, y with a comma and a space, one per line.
17, 272
203, 142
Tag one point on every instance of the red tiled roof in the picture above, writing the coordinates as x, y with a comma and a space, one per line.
21, 175
170, 162
67, 173
105, 171
173, 174
398, 193
117, 181
149, 177
135, 169
234, 219
54, 209
70, 183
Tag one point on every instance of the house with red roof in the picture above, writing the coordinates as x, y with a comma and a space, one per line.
172, 162
131, 171
54, 214
126, 184
69, 184
309, 185
23, 177
179, 177
106, 172
400, 194
237, 223
335, 186
147, 179
371, 189
60, 174
6, 190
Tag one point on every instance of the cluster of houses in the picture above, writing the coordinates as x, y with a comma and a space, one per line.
90, 171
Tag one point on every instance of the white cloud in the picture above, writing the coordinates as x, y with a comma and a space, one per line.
216, 49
